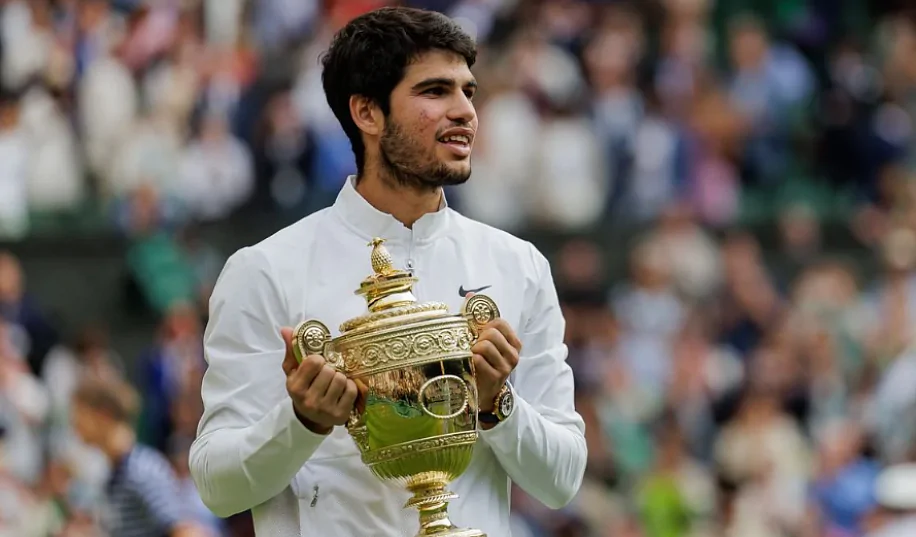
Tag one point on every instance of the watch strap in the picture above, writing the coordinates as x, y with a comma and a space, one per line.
493, 416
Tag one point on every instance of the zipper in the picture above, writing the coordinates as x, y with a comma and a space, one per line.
410, 263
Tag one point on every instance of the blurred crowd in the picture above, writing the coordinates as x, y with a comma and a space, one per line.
725, 396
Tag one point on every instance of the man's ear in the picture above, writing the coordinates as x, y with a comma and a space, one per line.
367, 115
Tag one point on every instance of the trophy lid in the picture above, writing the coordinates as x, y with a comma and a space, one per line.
389, 293
388, 287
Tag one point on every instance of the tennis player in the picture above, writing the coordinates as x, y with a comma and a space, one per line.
399, 81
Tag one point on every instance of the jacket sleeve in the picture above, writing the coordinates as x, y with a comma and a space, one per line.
542, 443
249, 443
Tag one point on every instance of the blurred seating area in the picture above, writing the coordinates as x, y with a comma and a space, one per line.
726, 191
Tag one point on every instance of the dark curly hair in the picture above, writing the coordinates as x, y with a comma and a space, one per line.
369, 56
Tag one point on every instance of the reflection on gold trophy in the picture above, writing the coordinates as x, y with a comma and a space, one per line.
415, 421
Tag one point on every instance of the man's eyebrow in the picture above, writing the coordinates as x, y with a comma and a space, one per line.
441, 81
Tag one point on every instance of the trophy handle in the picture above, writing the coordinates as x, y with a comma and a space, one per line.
310, 338
479, 310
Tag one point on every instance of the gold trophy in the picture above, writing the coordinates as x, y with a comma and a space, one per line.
415, 420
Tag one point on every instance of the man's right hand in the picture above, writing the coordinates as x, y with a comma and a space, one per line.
322, 396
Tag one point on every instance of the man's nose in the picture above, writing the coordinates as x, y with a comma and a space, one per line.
463, 110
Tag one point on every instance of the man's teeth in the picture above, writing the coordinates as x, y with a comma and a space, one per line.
458, 138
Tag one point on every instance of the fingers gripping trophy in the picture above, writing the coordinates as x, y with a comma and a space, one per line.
415, 420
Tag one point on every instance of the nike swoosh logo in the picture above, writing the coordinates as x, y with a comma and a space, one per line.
464, 292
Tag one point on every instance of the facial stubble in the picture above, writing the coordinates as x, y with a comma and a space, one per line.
404, 165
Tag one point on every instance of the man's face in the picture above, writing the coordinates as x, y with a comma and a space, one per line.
429, 132
88, 424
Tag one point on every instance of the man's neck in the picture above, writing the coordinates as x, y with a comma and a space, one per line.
405, 204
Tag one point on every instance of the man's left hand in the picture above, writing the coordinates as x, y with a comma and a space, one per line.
495, 357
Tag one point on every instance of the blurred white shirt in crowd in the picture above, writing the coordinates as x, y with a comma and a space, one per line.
505, 157
108, 105
26, 48
221, 20
216, 173
54, 168
13, 183
171, 88
572, 182
24, 405
148, 155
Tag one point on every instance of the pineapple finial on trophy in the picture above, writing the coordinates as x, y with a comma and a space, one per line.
388, 287
382, 263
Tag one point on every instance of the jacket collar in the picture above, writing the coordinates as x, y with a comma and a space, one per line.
367, 221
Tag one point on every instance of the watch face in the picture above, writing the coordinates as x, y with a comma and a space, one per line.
505, 404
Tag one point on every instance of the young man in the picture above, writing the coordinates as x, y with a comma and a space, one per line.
142, 496
399, 81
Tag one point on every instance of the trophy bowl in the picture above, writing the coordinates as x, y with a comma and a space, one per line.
415, 420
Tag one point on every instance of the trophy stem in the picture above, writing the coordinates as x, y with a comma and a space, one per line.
431, 498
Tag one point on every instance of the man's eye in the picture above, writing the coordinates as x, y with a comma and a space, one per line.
435, 91
469, 94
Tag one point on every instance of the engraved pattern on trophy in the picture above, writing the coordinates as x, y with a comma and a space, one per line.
404, 347
311, 338
479, 310
395, 452
415, 422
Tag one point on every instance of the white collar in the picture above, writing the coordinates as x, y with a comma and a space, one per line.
369, 222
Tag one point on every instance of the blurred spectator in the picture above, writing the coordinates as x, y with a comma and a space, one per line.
650, 314
13, 169
693, 256
749, 303
24, 407
770, 85
55, 181
172, 370
178, 451
678, 496
147, 158
843, 490
142, 494
284, 154
801, 241
215, 176
30, 331
764, 451
107, 110
90, 355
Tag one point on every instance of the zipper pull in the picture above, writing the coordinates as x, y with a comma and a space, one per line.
315, 497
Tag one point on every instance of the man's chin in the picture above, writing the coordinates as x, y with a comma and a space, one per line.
454, 176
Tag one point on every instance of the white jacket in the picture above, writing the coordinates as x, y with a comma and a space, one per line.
252, 453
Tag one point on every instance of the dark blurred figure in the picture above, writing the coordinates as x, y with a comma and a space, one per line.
284, 153
750, 303
32, 332
171, 372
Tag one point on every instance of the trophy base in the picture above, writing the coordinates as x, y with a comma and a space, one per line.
431, 500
